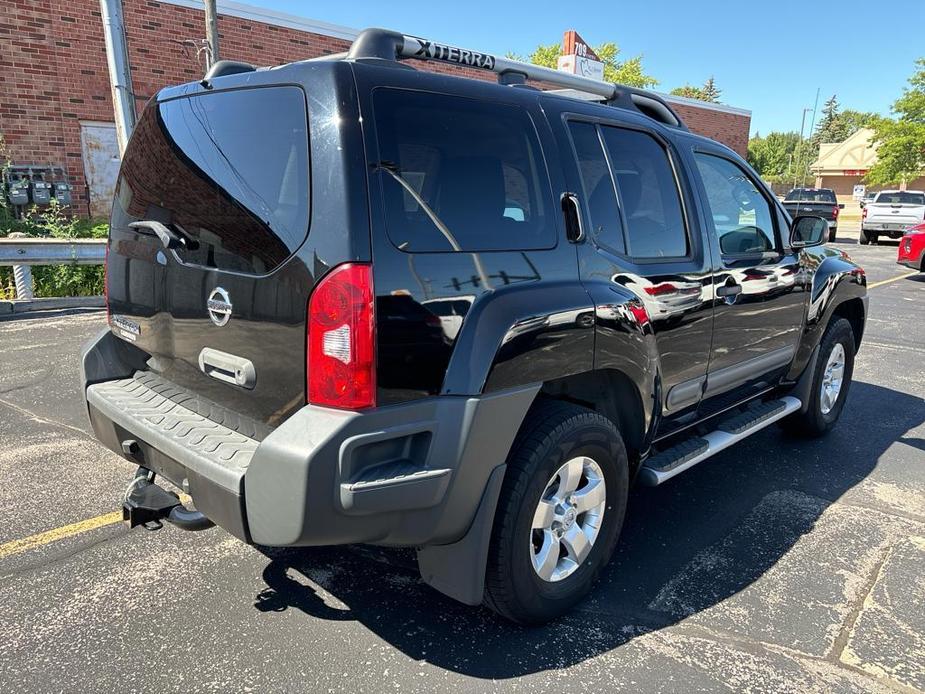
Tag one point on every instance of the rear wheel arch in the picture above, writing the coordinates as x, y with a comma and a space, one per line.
613, 394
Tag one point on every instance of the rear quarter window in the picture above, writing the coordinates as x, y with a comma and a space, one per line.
459, 174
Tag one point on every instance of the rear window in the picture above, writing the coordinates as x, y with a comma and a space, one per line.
901, 197
806, 195
228, 169
460, 175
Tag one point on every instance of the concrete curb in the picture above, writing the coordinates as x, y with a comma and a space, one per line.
54, 302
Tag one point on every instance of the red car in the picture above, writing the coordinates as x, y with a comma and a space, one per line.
912, 248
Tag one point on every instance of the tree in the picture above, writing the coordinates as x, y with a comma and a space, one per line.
629, 72
711, 91
689, 92
708, 92
837, 125
774, 156
900, 141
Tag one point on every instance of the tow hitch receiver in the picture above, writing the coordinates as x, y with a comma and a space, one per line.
148, 504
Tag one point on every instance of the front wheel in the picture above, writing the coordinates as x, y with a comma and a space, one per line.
559, 514
831, 380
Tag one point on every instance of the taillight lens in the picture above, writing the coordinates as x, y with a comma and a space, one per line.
864, 213
835, 212
341, 355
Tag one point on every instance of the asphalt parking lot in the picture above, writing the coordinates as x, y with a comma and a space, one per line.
779, 565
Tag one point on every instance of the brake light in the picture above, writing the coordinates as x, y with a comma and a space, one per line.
341, 354
835, 212
864, 213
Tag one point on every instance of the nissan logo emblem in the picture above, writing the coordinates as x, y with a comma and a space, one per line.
219, 306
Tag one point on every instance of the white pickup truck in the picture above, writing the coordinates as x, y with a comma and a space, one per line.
891, 213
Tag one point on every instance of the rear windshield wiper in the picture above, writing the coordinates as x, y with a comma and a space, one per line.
170, 239
392, 169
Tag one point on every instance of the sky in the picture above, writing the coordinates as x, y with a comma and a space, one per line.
767, 56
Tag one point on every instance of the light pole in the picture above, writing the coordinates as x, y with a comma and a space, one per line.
796, 172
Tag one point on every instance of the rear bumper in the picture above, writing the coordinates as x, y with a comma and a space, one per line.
410, 474
883, 229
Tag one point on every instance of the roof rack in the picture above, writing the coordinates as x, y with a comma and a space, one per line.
391, 45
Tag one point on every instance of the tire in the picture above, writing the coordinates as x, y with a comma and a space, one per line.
874, 239
864, 238
554, 435
821, 415
832, 234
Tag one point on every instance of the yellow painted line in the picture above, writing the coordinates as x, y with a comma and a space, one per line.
33, 541
894, 279
8, 549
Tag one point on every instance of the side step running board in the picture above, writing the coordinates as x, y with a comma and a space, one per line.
673, 461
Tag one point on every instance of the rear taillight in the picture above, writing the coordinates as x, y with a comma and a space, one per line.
341, 355
864, 213
835, 212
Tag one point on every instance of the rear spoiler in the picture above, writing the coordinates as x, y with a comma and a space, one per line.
390, 45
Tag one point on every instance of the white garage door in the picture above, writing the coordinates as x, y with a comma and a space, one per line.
101, 164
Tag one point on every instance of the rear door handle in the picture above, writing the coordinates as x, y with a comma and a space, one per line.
572, 213
228, 368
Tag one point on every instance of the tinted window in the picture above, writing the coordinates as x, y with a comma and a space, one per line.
648, 194
741, 215
459, 174
229, 169
901, 197
810, 195
598, 186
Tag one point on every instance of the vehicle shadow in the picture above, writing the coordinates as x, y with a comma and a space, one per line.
666, 528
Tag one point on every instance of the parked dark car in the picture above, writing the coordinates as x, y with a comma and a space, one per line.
820, 202
285, 242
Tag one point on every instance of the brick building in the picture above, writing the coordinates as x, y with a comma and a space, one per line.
55, 99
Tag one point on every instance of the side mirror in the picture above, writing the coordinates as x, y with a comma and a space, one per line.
841, 206
808, 230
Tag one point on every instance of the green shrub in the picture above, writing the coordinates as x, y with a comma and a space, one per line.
54, 280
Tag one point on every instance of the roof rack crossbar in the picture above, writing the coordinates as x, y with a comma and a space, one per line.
391, 45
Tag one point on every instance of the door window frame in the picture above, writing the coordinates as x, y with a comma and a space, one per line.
683, 187
780, 248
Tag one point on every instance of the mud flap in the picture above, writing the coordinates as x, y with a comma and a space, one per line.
458, 569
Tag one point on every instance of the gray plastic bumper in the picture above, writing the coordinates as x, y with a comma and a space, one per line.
410, 474
413, 474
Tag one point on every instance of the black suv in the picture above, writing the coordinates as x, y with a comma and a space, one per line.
354, 302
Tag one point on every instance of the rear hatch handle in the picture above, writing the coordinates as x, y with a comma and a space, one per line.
169, 238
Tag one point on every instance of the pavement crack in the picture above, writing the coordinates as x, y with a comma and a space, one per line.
44, 420
841, 641
64, 557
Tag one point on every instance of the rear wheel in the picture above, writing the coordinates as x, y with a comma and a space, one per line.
559, 514
831, 380
864, 238
832, 234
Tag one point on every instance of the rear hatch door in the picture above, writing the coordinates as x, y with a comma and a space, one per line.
211, 204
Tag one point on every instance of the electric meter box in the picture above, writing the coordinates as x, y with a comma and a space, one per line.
41, 193
63, 192
18, 193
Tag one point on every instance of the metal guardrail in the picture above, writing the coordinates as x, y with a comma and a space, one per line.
38, 251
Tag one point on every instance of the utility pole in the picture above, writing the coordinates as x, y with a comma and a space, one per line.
796, 171
211, 32
120, 74
812, 126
